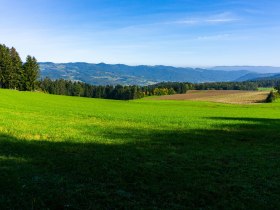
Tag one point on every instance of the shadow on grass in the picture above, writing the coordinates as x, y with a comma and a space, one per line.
234, 165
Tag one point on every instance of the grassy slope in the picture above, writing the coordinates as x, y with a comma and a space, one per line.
67, 152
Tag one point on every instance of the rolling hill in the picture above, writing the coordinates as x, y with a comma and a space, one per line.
104, 74
256, 76
108, 74
272, 77
257, 69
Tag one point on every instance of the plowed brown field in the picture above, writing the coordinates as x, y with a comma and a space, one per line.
223, 96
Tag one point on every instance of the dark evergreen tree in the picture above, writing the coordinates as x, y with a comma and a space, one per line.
16, 69
30, 73
5, 66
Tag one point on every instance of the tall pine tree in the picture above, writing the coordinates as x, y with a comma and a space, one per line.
16, 69
5, 66
30, 73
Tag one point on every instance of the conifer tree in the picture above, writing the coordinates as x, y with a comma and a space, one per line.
30, 73
16, 69
5, 66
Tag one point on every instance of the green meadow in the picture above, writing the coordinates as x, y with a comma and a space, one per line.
266, 89
59, 152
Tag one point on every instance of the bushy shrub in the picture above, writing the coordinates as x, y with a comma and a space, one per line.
271, 97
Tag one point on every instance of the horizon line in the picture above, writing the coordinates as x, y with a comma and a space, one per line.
178, 66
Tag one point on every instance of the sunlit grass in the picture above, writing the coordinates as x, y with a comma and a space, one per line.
82, 153
266, 89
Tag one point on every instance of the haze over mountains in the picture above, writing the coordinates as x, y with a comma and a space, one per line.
258, 69
108, 74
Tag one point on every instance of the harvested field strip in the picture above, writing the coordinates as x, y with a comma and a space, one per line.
223, 96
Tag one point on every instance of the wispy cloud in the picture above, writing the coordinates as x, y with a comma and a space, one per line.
254, 11
224, 37
221, 18
215, 37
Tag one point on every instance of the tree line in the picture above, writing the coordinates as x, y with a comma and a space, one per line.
183, 87
119, 92
270, 82
76, 88
14, 74
226, 86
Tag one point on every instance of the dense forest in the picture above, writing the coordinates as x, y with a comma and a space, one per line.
75, 88
14, 74
72, 88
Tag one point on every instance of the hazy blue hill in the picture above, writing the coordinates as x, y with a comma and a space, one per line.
254, 76
275, 76
103, 74
257, 69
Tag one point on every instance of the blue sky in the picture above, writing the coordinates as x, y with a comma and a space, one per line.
169, 32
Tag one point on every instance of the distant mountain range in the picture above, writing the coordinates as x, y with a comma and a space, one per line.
275, 76
257, 69
107, 74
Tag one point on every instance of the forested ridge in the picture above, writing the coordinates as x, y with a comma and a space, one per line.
24, 76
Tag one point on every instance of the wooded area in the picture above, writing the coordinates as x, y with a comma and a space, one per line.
14, 74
